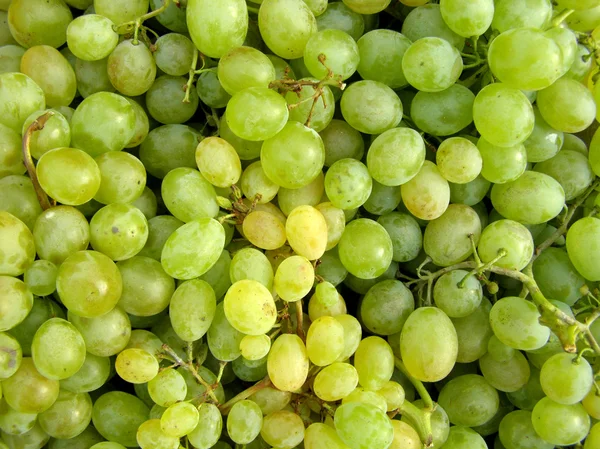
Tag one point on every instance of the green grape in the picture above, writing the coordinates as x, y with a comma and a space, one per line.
169, 147
499, 351
427, 195
39, 22
394, 395
517, 432
246, 149
249, 263
581, 66
367, 6
406, 235
150, 435
255, 347
455, 299
254, 182
571, 169
10, 355
165, 100
374, 362
325, 341
348, 183
167, 388
371, 107
340, 52
567, 105
179, 419
386, 307
223, 339
174, 54
426, 75
107, 445
515, 323
302, 110
11, 158
271, 113
331, 268
287, 362
458, 159
536, 64
192, 309
473, 332
35, 438
122, 178
56, 133
445, 112
404, 436
302, 161
244, 422
146, 340
210, 90
509, 14
335, 382
136, 365
428, 344
249, 307
13, 422
527, 396
544, 142
208, 430
104, 335
591, 403
338, 16
250, 370
244, 67
117, 416
383, 199
69, 415
460, 437
17, 247
310, 194
42, 310
173, 18
532, 198
94, 372
317, 309
191, 250
352, 335
565, 379
146, 202
503, 115
271, 400
91, 37
365, 249
322, 436
121, 13
188, 195
363, 426
92, 77
508, 376
502, 164
581, 247
381, 53
341, 141
395, 157
510, 236
10, 58
159, 230
574, 143
468, 18
426, 21
469, 400
218, 162
282, 429
306, 231
264, 230
560, 424
294, 278
567, 42
28, 391
439, 424
19, 89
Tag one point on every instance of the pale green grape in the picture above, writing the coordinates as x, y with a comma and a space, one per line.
218, 162
188, 195
282, 429
544, 142
94, 372
246, 149
439, 424
567, 42
317, 309
341, 141
271, 400
20, 97
363, 426
335, 381
68, 416
581, 66
445, 112
371, 107
560, 424
374, 362
432, 64
381, 53
306, 231
56, 133
310, 194
366, 397
406, 235
13, 422
102, 122
11, 158
17, 247
427, 195
10, 58
502, 164
104, 335
91, 37
255, 347
159, 230
532, 198
426, 21
508, 376
516, 432
42, 310
458, 159
287, 362
503, 115
395, 157
244, 67
117, 416
469, 400
10, 355
460, 437
339, 49
383, 199
250, 370
193, 249
150, 435
499, 351
524, 58
264, 230
210, 91
386, 307
174, 53
515, 323
207, 432
428, 344
36, 437
244, 422
367, 6
527, 396
348, 183
331, 268
581, 246
352, 335
571, 169
136, 365
255, 182
510, 236
509, 14
249, 307
338, 16
286, 26
322, 436
473, 332
120, 13
405, 436
249, 263
122, 178
164, 100
179, 419
167, 388
281, 67
269, 118
557, 277
223, 339
468, 18
325, 341
38, 23
365, 249
591, 403
302, 107
294, 278
566, 380
28, 391
455, 300
92, 77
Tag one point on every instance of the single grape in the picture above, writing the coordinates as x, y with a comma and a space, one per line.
363, 426
469, 400
432, 64
427, 195
565, 379
250, 308
560, 424
287, 362
104, 335
515, 322
244, 421
28, 391
91, 37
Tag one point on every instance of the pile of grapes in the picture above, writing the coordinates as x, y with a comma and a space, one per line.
357, 224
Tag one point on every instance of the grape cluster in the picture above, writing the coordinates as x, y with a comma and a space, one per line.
357, 224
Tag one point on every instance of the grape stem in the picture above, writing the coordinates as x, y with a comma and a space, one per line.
423, 393
560, 18
135, 25
37, 125
299, 320
264, 383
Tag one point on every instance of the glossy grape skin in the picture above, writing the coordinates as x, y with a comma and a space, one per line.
223, 339
560, 424
426, 21
56, 133
581, 246
27, 391
367, 6
131, 68
16, 302
376, 430
455, 301
348, 184
515, 323
565, 380
381, 53
593, 438
473, 332
340, 51
123, 12
249, 307
17, 245
188, 195
287, 362
86, 47
20, 96
511, 236
117, 416
338, 16
427, 195
517, 432
428, 76
511, 14
164, 100
258, 69
469, 400
571, 169
68, 416
39, 22
544, 142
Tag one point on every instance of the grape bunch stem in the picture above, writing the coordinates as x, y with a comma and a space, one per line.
37, 125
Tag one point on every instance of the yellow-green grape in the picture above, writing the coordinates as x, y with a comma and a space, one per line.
131, 410
469, 400
91, 37
510, 236
250, 308
336, 222
294, 278
468, 18
571, 169
363, 426
335, 382
432, 64
188, 195
11, 355
339, 49
40, 277
70, 414
11, 158
473, 332
179, 419
167, 388
581, 246
223, 339
122, 178
35, 437
16, 301
374, 361
301, 106
57, 166
28, 391
192, 309
264, 230
326, 294
255, 182
427, 195
322, 436
104, 335
13, 422
271, 400
405, 437
456, 299
311, 194
250, 263
243, 67
255, 347
502, 164
56, 133
367, 6
244, 422
136, 366
151, 436
317, 309
509, 376
393, 393
565, 379
458, 160
282, 429
218, 162
511, 14
517, 427
325, 340
131, 68
352, 335
94, 373
287, 362
429, 344
210, 423
142, 124
306, 231
17, 245
560, 424
17, 88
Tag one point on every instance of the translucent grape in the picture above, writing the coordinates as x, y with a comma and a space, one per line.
460, 436
431, 64
264, 230
68, 416
250, 308
150, 435
136, 365
91, 37
510, 236
339, 49
515, 323
426, 21
254, 182
249, 263
294, 278
406, 235
218, 162
122, 178
468, 18
374, 362
105, 335
208, 430
566, 380
341, 141
18, 249
302, 110
560, 424
367, 6
335, 381
469, 400
509, 14
325, 341
338, 16
244, 422
131, 413
167, 388
255, 347
376, 431
581, 247
179, 419
188, 195
94, 372
28, 391
223, 339
282, 429
456, 300
174, 54
13, 422
310, 194
381, 53
244, 67
544, 142
11, 355
306, 231
445, 112
287, 362
427, 195
322, 436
